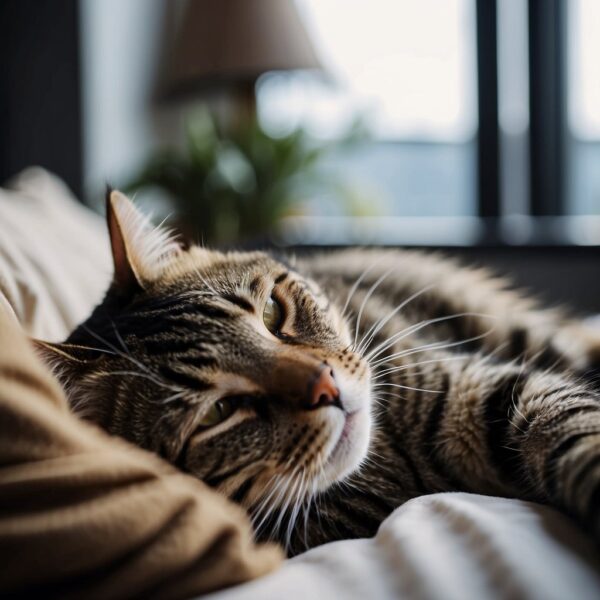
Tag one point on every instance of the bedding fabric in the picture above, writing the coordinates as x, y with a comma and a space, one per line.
55, 260
445, 546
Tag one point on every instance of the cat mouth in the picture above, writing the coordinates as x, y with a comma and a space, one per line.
345, 438
348, 450
350, 438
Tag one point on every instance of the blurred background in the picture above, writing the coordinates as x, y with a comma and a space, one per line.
470, 125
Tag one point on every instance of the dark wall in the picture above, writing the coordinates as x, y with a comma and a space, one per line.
40, 97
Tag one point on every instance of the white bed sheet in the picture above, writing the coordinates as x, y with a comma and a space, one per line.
445, 546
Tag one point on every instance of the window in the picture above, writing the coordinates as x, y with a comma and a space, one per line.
408, 68
583, 50
484, 115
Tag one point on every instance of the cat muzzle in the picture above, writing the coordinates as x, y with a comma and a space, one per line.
306, 382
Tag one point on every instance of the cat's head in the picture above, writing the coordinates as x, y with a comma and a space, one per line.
231, 365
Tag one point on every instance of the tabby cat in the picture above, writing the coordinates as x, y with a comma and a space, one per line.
321, 393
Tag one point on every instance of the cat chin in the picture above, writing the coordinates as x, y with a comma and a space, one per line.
348, 448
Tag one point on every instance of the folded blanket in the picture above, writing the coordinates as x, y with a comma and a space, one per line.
83, 514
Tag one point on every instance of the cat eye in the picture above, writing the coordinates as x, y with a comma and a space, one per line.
218, 412
273, 315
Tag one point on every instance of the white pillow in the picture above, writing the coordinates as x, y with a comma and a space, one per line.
55, 260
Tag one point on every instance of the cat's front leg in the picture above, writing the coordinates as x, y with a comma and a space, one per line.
556, 428
534, 434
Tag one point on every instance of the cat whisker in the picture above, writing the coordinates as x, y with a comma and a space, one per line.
389, 373
256, 509
346, 485
173, 397
139, 374
403, 333
376, 400
384, 374
266, 506
101, 350
208, 285
514, 400
152, 375
288, 497
307, 509
426, 347
119, 338
378, 325
356, 284
293, 500
323, 477
365, 300
417, 327
297, 497
407, 366
372, 454
407, 387
275, 501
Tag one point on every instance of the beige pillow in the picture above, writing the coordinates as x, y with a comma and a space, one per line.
55, 261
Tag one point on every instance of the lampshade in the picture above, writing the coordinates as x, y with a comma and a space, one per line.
234, 41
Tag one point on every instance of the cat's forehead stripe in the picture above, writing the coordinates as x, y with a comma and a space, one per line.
185, 379
255, 284
239, 301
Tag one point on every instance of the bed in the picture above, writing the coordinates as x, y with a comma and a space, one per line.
55, 265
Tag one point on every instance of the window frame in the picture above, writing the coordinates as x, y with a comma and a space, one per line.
547, 30
545, 221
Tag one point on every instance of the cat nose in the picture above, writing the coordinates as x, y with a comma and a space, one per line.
323, 391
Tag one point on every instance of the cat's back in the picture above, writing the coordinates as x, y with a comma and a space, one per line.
392, 275
398, 267
406, 287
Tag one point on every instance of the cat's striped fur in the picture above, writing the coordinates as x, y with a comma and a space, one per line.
449, 381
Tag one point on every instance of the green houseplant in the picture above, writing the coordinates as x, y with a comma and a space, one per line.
232, 184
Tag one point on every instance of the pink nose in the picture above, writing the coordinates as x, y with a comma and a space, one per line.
324, 391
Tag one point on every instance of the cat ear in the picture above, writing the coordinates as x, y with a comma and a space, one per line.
140, 251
